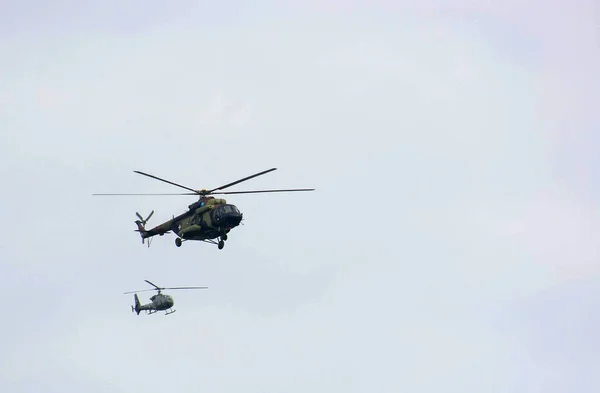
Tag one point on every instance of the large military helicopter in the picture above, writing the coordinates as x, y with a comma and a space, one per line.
207, 219
159, 301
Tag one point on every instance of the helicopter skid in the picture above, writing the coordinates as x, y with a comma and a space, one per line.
167, 312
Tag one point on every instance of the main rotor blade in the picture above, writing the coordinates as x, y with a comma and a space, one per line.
166, 181
260, 191
241, 180
187, 288
182, 193
153, 285
146, 290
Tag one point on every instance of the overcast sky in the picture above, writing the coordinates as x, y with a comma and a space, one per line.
452, 244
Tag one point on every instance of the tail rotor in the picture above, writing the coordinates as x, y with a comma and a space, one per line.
141, 220
141, 224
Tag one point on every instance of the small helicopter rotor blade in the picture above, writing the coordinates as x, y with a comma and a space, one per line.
167, 181
150, 215
139, 216
187, 288
239, 181
141, 290
153, 286
261, 191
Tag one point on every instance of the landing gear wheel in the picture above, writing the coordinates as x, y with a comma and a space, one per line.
224, 236
178, 242
221, 245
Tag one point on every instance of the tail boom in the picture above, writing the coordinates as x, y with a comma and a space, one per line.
141, 225
157, 230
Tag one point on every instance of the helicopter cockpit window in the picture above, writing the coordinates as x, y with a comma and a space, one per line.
226, 209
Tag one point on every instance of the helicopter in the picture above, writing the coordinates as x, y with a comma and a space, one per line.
160, 302
209, 219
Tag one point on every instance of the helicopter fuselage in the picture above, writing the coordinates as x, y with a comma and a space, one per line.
207, 219
161, 302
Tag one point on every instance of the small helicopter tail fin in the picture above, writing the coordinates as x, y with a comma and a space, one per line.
137, 304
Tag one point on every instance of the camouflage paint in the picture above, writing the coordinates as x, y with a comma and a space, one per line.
195, 224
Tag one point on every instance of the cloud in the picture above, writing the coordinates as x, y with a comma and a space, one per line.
437, 213
54, 98
224, 111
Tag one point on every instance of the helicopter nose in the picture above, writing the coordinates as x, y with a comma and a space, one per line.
233, 219
227, 216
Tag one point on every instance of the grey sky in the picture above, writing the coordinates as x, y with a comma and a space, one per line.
451, 245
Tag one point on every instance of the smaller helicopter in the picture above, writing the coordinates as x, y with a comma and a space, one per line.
160, 302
